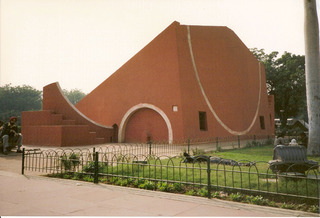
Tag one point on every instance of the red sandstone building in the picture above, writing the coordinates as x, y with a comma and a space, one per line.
188, 82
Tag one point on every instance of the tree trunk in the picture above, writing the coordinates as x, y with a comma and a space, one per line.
311, 34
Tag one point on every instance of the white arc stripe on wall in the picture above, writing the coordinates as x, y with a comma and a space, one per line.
208, 102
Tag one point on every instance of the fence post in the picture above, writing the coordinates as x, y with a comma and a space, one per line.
209, 177
93, 153
150, 148
254, 139
22, 168
217, 143
188, 146
238, 141
96, 167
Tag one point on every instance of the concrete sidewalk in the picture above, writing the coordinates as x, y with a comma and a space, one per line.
33, 195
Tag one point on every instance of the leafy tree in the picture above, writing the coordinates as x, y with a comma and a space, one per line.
285, 77
74, 95
14, 100
311, 32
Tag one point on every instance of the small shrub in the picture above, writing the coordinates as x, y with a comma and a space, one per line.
88, 178
301, 207
149, 185
266, 202
138, 182
314, 209
236, 197
114, 179
203, 192
121, 182
90, 167
287, 206
163, 186
103, 180
56, 175
249, 198
124, 182
168, 187
191, 192
178, 187
118, 181
272, 204
258, 200
71, 161
76, 176
130, 181
216, 195
67, 176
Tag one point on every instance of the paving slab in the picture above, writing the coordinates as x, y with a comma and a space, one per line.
41, 196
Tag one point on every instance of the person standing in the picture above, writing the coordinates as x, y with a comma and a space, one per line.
9, 133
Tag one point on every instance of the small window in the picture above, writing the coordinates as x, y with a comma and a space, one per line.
203, 121
262, 126
175, 108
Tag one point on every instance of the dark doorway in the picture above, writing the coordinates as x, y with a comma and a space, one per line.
115, 133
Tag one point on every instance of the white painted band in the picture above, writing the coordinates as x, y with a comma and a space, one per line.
132, 110
208, 102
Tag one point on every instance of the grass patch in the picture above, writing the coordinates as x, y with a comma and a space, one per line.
260, 153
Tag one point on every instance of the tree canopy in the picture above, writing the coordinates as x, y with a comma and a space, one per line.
285, 77
16, 99
74, 95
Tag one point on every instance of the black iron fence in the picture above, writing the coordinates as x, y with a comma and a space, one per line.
126, 166
190, 146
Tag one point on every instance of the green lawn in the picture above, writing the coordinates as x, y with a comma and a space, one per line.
262, 153
160, 171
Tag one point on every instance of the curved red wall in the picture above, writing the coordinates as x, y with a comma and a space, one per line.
162, 74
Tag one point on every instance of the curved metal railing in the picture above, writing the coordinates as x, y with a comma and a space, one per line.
125, 163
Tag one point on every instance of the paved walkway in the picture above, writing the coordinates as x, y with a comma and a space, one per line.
33, 195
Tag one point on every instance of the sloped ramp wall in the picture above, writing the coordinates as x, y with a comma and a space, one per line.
61, 124
55, 100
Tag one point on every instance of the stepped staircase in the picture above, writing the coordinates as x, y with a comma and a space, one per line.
60, 124
47, 128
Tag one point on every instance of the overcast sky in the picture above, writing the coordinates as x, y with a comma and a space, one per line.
80, 43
